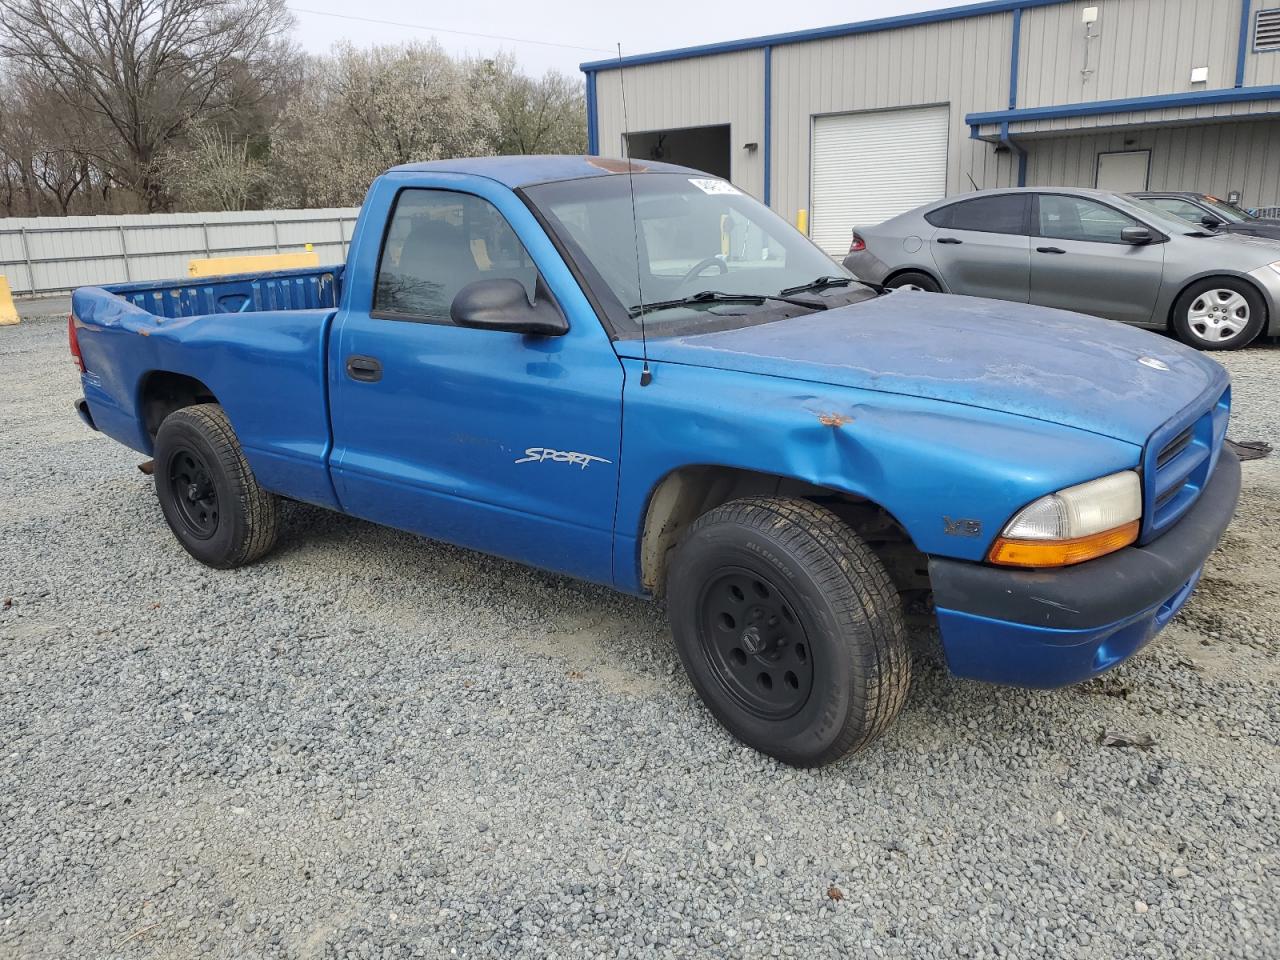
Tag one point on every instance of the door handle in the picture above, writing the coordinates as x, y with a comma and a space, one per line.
1050, 250
949, 240
364, 369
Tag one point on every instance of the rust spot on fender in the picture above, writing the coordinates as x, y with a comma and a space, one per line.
834, 419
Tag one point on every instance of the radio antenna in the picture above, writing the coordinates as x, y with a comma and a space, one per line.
646, 375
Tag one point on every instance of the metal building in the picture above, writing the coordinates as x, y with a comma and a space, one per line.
859, 122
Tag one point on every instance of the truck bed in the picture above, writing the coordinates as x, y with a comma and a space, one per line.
309, 288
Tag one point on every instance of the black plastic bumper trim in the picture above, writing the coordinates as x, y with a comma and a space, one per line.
1102, 591
82, 408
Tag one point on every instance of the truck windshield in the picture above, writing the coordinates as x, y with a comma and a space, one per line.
698, 251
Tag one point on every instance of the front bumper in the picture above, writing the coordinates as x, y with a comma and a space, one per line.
1269, 281
1050, 628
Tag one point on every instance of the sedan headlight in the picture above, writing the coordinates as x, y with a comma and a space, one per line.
1073, 525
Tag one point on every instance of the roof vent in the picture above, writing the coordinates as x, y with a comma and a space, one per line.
1266, 30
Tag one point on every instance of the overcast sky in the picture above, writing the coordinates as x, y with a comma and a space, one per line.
640, 27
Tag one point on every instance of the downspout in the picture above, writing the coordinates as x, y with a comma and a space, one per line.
1243, 50
768, 123
593, 130
1017, 151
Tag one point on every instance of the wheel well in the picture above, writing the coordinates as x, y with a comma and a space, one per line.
688, 493
897, 273
1173, 304
163, 392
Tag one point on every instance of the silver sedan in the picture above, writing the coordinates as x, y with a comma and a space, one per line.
1085, 250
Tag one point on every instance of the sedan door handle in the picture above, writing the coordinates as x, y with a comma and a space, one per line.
1050, 250
364, 369
949, 240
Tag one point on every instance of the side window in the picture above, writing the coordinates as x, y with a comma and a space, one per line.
1078, 218
1182, 209
940, 217
1002, 213
437, 243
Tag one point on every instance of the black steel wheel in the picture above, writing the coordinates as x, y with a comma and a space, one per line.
755, 643
193, 492
207, 490
789, 628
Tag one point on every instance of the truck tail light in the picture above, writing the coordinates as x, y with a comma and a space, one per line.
74, 342
857, 244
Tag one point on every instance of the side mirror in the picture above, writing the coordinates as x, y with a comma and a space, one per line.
1213, 223
1135, 235
502, 304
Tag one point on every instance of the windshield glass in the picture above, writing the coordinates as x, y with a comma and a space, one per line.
691, 235
1228, 211
1158, 217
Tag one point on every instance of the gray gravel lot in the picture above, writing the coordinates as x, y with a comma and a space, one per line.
370, 745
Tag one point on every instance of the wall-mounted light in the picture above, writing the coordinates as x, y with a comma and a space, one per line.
751, 147
1199, 74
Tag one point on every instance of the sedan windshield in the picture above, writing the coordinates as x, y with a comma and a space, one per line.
699, 253
1228, 211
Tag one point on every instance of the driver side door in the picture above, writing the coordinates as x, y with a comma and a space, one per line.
501, 441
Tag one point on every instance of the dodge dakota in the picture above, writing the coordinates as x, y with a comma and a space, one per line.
635, 374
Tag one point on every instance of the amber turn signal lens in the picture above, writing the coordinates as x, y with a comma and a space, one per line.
1062, 553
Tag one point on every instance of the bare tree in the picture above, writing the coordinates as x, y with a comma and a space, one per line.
141, 71
213, 170
545, 114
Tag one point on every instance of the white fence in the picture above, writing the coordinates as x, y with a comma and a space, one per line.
55, 254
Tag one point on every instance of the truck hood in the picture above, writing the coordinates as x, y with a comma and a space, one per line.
1052, 365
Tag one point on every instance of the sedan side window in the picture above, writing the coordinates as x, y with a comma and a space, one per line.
1182, 209
438, 242
1003, 213
1078, 218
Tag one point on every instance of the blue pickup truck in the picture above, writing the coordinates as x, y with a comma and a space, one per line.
635, 374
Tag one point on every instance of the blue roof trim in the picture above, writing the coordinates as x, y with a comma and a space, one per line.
1095, 107
822, 33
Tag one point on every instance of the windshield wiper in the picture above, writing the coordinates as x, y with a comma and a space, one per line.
715, 296
822, 283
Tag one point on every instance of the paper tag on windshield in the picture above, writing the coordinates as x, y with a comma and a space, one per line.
713, 186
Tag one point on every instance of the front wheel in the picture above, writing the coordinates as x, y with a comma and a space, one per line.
789, 628
208, 493
1219, 313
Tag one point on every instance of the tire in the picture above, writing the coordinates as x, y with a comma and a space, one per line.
914, 280
1219, 313
209, 495
807, 605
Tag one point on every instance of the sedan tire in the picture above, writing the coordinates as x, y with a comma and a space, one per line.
1219, 313
914, 280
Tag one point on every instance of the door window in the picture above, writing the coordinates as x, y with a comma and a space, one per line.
1078, 218
438, 242
1182, 209
1003, 213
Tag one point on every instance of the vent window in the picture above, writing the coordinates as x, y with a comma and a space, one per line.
1266, 30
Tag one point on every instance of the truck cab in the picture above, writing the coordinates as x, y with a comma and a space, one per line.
635, 374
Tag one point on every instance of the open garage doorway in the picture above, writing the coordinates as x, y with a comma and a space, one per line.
703, 148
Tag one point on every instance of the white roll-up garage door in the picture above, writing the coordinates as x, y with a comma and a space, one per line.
868, 167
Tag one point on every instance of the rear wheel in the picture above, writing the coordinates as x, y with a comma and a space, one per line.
1220, 313
789, 628
207, 491
914, 280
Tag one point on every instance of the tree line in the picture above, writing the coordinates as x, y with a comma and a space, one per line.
128, 106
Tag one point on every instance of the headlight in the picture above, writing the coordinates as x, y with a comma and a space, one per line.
1073, 525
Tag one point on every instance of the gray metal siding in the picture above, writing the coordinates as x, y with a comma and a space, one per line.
962, 63
1212, 158
725, 88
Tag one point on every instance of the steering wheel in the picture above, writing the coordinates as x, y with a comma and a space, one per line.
702, 265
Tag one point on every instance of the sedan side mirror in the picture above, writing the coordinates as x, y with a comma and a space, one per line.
503, 304
1135, 235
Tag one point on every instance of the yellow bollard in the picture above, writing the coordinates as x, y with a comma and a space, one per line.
802, 221
8, 312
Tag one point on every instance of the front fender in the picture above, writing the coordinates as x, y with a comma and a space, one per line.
951, 474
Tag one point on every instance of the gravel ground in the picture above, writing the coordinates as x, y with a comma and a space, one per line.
369, 745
